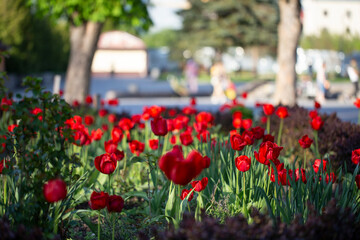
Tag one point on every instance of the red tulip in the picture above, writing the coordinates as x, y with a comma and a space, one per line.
244, 95
204, 136
317, 105
172, 112
268, 151
258, 132
207, 162
179, 170
237, 114
12, 127
268, 137
357, 103
88, 99
103, 112
206, 117
189, 110
199, 185
115, 203
105, 163
357, 180
184, 194
330, 178
237, 142
2, 165
193, 101
5, 103
180, 122
186, 138
110, 146
317, 164
173, 139
118, 155
2, 145
154, 144
37, 112
246, 123
113, 102
82, 137
136, 147
313, 114
89, 120
237, 123
112, 118
54, 190
155, 111
159, 126
126, 124
305, 142
243, 163
117, 134
96, 134
268, 109
317, 123
75, 103
105, 127
282, 112
248, 137
98, 200
297, 175
355, 156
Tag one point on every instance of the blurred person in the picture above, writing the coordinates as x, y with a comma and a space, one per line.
191, 74
322, 83
353, 73
219, 81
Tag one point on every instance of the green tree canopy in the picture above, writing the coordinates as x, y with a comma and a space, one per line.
325, 40
226, 23
35, 45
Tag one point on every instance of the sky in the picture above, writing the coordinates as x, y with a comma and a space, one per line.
164, 14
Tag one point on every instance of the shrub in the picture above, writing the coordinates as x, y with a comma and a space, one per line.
336, 138
334, 223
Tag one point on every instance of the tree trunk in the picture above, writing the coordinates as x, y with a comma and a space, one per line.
83, 43
289, 30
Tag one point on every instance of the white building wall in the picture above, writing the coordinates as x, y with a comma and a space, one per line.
336, 16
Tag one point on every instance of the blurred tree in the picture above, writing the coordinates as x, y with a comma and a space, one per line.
86, 19
325, 40
164, 38
289, 30
32, 40
221, 24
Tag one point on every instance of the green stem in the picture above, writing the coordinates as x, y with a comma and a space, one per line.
5, 193
166, 140
99, 225
304, 158
177, 212
280, 131
113, 228
124, 168
244, 198
57, 206
237, 187
268, 125
109, 186
316, 144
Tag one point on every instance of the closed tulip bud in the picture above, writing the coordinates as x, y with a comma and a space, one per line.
159, 126
105, 163
99, 200
243, 163
115, 204
54, 190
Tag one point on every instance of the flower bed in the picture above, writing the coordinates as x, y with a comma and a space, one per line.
74, 172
